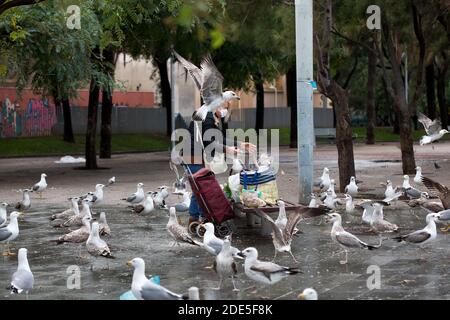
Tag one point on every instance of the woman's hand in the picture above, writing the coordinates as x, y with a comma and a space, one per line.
231, 150
247, 146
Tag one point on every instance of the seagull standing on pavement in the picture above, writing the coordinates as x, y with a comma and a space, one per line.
411, 192
10, 232
313, 202
41, 185
418, 176
160, 196
25, 203
432, 128
146, 207
178, 232
3, 214
378, 223
224, 264
264, 272
138, 196
22, 279
325, 181
209, 81
349, 205
352, 188
211, 243
423, 236
95, 245
345, 239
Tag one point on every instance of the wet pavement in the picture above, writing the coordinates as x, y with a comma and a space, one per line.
407, 272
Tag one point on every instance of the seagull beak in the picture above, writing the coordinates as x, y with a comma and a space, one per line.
129, 263
301, 296
240, 254
239, 98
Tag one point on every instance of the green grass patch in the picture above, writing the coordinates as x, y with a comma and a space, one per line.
55, 146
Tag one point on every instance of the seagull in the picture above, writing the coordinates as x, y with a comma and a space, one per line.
352, 188
105, 230
418, 176
378, 223
262, 271
281, 220
111, 181
345, 239
98, 194
180, 183
411, 192
159, 197
330, 188
224, 264
76, 220
308, 294
313, 202
144, 289
96, 246
211, 243
432, 128
25, 203
325, 181
41, 185
439, 190
424, 235
349, 205
330, 201
367, 214
138, 196
432, 206
22, 279
77, 236
444, 216
10, 232
178, 232
146, 207
3, 214
209, 81
69, 212
184, 206
391, 194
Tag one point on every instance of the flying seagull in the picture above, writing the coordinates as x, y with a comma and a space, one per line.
432, 128
144, 289
224, 264
41, 185
345, 239
424, 235
262, 271
209, 81
439, 190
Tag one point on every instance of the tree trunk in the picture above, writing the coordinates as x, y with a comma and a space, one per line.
406, 142
431, 94
107, 95
68, 130
344, 136
106, 131
259, 124
370, 107
291, 88
166, 97
90, 152
443, 107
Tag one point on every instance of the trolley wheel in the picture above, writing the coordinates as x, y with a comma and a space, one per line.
192, 228
223, 230
200, 231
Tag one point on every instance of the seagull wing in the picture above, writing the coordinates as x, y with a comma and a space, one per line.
192, 69
216, 244
278, 233
438, 190
22, 280
431, 127
36, 187
5, 233
151, 291
349, 240
417, 236
212, 81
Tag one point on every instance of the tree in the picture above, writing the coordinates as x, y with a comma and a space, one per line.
370, 111
338, 94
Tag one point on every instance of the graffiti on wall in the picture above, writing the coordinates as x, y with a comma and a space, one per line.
33, 118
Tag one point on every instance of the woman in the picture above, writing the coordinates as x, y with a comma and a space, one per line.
197, 161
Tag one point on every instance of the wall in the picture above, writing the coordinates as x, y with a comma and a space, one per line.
35, 117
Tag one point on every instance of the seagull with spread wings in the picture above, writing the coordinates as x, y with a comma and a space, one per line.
209, 81
432, 128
